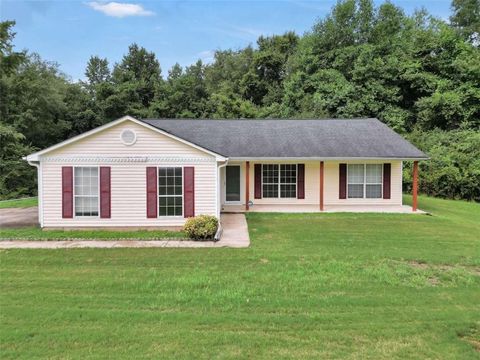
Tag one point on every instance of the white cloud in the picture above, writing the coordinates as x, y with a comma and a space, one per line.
120, 10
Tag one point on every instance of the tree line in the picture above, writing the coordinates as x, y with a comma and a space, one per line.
418, 74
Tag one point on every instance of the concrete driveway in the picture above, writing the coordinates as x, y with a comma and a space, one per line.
16, 217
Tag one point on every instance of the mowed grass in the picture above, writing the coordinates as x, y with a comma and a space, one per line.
36, 233
346, 286
19, 203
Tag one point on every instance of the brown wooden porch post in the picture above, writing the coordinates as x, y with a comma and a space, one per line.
321, 184
415, 185
247, 184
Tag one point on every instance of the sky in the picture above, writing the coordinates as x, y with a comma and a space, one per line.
69, 32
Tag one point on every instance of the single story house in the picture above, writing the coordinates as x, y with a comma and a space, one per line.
157, 173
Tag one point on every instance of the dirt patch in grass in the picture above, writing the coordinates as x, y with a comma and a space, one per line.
420, 273
418, 264
472, 336
434, 281
474, 270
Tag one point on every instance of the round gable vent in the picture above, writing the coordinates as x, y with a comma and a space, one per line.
128, 137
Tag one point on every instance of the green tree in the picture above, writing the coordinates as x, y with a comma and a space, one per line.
466, 17
97, 71
136, 78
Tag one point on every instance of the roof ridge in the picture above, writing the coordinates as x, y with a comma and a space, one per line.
260, 119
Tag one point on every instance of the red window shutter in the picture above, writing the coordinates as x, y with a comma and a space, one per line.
301, 181
67, 192
342, 170
152, 192
189, 191
105, 192
387, 171
258, 181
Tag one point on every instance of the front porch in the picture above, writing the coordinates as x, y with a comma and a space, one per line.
318, 186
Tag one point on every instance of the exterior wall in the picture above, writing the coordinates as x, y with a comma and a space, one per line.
331, 185
128, 176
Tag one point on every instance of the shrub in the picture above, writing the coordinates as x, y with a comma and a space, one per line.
202, 227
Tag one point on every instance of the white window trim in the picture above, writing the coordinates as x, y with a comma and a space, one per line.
280, 183
159, 196
75, 196
239, 202
365, 182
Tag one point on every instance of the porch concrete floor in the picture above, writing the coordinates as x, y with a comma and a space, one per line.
394, 209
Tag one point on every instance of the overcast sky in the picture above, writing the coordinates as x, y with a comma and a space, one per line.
68, 32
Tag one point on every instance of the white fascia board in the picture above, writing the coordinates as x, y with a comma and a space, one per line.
35, 156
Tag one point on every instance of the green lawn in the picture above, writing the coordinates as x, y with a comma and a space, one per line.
35, 233
346, 286
18, 203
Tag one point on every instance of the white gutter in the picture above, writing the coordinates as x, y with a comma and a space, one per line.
324, 158
38, 165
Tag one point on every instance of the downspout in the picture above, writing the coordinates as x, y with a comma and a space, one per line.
218, 234
40, 190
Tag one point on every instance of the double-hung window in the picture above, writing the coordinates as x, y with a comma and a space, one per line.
373, 181
86, 191
364, 181
279, 180
170, 191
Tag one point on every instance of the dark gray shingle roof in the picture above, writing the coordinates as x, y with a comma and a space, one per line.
277, 138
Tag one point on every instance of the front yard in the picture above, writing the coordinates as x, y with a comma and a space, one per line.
347, 286
35, 233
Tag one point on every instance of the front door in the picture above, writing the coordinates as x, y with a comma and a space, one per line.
232, 183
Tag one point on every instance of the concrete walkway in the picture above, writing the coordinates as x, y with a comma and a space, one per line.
235, 230
235, 235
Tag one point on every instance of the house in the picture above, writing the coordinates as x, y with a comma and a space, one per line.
156, 173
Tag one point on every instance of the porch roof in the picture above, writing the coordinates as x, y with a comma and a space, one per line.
278, 138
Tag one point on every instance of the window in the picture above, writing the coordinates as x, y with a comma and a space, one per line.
373, 181
356, 180
364, 181
288, 180
279, 180
170, 191
270, 181
86, 191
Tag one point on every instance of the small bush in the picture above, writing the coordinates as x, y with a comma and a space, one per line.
202, 227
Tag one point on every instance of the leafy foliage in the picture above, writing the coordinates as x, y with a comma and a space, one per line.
454, 168
202, 227
414, 72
